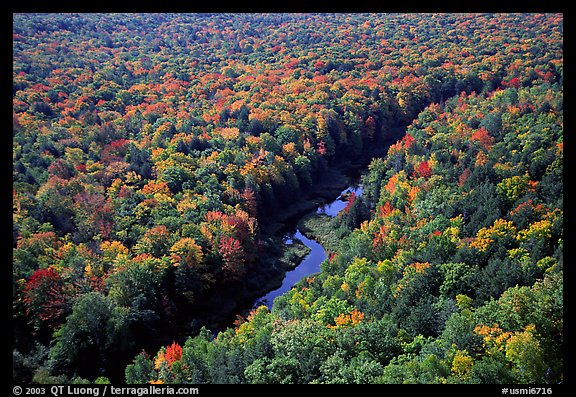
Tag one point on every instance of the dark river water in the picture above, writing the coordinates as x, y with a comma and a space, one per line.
312, 261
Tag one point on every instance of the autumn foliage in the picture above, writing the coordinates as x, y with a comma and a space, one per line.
156, 155
44, 298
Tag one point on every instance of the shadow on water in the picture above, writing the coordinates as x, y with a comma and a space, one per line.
310, 265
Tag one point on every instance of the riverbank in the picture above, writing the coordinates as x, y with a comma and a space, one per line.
293, 255
276, 258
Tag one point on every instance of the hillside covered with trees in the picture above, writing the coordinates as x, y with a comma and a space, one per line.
156, 156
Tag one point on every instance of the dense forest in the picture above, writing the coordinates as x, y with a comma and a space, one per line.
157, 156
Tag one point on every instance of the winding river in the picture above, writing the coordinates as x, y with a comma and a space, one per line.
311, 263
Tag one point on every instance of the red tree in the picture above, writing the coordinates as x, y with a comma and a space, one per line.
173, 353
44, 298
249, 203
423, 169
386, 209
481, 135
233, 258
351, 201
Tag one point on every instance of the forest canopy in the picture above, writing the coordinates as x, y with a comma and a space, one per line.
154, 153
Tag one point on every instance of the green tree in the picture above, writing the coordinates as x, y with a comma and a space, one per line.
511, 189
300, 348
141, 371
94, 335
136, 283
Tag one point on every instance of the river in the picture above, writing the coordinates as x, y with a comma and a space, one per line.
311, 262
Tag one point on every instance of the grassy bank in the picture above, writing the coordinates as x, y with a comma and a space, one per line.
318, 227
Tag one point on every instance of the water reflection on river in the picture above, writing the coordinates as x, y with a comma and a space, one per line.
333, 208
